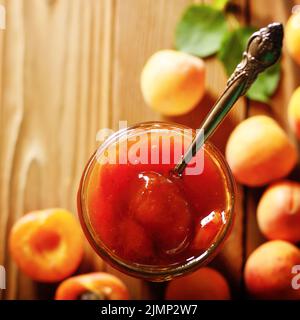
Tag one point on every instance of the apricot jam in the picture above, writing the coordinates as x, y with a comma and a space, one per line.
137, 213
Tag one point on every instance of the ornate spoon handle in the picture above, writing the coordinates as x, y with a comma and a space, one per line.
263, 50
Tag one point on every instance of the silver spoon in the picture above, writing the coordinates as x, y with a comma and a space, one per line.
263, 50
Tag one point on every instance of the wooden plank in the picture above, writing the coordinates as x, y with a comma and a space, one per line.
2, 234
54, 93
230, 261
140, 29
262, 13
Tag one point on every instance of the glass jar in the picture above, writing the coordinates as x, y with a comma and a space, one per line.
121, 237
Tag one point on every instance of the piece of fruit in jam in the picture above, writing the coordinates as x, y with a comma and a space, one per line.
160, 207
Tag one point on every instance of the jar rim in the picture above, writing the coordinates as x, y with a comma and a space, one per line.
149, 272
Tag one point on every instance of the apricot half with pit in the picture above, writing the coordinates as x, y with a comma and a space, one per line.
47, 245
92, 286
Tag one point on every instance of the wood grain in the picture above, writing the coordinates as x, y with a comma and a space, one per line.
53, 99
230, 261
72, 67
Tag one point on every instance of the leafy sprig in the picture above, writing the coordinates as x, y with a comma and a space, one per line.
204, 30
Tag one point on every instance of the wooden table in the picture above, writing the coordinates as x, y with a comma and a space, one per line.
72, 67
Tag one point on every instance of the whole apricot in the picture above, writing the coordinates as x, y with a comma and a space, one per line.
204, 284
278, 211
294, 112
268, 271
47, 245
92, 286
173, 82
258, 151
292, 36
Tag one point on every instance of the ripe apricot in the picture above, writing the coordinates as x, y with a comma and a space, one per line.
258, 151
92, 286
278, 212
47, 245
204, 284
294, 112
292, 36
173, 82
268, 271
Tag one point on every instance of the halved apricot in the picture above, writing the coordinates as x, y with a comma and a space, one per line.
47, 245
92, 286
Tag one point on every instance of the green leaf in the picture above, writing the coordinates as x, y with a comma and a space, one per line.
265, 85
220, 4
201, 30
233, 46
